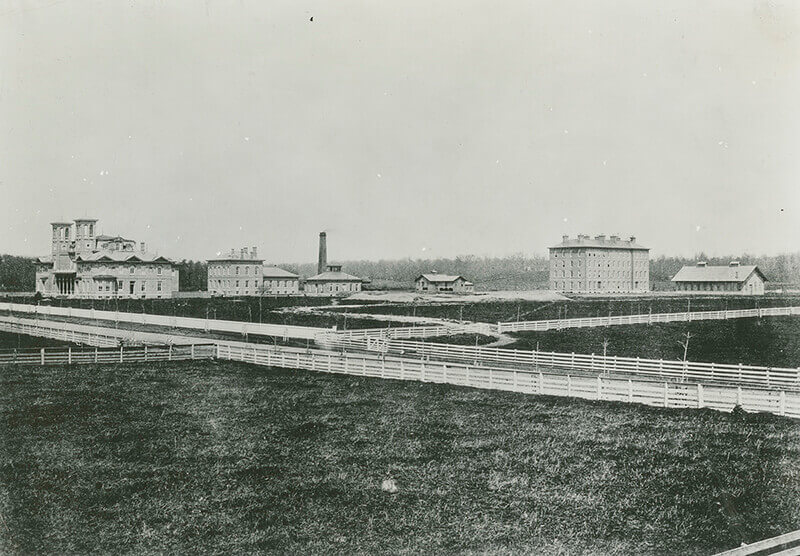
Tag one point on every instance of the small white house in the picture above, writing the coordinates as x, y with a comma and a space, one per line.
443, 283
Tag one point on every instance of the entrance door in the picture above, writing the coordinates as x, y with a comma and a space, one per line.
132, 287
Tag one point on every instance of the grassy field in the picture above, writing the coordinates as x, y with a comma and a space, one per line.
10, 341
224, 458
770, 341
500, 311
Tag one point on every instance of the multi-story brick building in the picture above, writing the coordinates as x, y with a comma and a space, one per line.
600, 265
86, 265
235, 274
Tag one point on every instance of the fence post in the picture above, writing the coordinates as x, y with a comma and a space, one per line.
95, 354
700, 403
120, 353
516, 388
599, 388
145, 352
422, 370
169, 355
569, 385
630, 391
330, 364
782, 403
666, 394
69, 355
444, 372
42, 354
192, 351
739, 395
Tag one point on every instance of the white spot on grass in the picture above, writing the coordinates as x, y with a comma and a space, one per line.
389, 485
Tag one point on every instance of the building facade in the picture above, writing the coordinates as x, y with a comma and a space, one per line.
277, 281
733, 278
332, 282
83, 264
236, 274
600, 265
443, 283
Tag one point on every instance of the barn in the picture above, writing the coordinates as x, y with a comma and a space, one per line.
444, 283
734, 278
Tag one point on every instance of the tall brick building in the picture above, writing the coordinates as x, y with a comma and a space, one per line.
600, 265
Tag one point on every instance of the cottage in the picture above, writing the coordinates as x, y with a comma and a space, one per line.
734, 278
443, 283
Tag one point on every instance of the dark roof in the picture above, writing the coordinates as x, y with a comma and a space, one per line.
112, 238
276, 272
333, 277
436, 277
122, 256
600, 244
235, 260
736, 274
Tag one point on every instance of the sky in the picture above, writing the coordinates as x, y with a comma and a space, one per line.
404, 129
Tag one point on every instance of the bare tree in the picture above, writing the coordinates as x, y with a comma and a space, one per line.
685, 344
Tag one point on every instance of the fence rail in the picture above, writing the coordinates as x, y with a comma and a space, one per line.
647, 318
632, 390
121, 354
238, 327
638, 389
768, 377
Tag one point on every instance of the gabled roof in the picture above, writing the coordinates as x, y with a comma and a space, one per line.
333, 277
276, 272
736, 274
111, 238
440, 278
123, 256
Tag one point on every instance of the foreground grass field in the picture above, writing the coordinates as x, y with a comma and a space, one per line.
228, 458
769, 341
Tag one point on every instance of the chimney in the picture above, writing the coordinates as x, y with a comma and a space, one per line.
734, 263
601, 237
633, 239
243, 253
322, 261
142, 246
701, 264
564, 238
614, 238
233, 253
253, 253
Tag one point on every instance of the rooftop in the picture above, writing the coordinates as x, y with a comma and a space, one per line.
716, 273
276, 272
600, 242
436, 277
329, 276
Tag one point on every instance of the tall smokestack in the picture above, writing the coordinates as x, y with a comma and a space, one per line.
322, 263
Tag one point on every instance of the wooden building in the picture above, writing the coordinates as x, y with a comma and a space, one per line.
443, 283
734, 278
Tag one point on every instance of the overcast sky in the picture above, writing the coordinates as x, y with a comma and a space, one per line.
403, 128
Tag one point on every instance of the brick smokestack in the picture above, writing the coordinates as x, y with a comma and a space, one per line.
322, 262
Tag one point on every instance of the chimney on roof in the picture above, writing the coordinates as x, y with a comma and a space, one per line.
253, 252
734, 263
233, 253
142, 245
701, 263
614, 238
564, 238
243, 253
633, 239
322, 259
602, 237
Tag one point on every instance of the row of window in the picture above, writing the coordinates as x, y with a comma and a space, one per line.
237, 270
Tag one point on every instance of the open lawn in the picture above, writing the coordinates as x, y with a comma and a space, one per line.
769, 341
502, 311
217, 457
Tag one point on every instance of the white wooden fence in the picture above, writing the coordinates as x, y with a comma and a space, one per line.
648, 318
632, 390
121, 354
768, 377
237, 327
783, 545
645, 390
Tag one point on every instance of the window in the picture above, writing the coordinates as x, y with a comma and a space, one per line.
158, 286
131, 270
237, 271
143, 285
159, 272
247, 283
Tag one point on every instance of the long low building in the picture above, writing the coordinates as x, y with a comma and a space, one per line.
83, 264
278, 281
734, 278
332, 282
